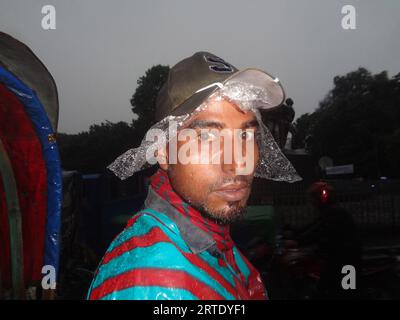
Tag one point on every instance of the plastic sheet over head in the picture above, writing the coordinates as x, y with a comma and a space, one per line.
272, 164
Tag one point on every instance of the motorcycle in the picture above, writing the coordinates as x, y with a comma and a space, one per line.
295, 274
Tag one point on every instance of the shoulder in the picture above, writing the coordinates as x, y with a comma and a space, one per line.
146, 249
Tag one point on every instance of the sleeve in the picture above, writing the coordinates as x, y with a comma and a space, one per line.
142, 263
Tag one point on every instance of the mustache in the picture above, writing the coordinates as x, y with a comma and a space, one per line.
236, 179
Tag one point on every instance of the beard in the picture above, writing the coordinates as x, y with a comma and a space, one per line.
232, 212
226, 216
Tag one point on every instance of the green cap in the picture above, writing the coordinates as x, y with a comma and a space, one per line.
191, 81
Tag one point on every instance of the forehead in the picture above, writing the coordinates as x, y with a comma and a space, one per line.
225, 112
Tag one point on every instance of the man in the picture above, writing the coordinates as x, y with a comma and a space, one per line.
208, 142
337, 239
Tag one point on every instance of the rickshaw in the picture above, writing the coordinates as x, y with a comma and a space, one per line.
30, 173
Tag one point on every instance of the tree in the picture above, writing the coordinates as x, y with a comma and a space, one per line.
144, 99
357, 122
91, 151
302, 130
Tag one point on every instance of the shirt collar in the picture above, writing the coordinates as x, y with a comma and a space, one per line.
197, 240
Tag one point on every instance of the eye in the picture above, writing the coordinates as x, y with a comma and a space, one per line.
247, 135
207, 136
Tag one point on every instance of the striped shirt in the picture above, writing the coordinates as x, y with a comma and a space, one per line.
162, 255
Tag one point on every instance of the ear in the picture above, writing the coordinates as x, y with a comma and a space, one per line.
162, 158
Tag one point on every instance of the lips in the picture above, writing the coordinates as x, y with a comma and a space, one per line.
233, 191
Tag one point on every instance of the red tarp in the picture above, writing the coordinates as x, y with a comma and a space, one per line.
21, 143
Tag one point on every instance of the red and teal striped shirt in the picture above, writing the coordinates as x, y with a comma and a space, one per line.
164, 253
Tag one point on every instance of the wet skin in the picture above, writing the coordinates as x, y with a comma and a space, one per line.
216, 190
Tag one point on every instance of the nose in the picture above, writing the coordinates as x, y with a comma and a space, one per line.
234, 156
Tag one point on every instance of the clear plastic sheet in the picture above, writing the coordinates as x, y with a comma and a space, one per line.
272, 165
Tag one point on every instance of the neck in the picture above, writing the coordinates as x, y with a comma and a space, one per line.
161, 185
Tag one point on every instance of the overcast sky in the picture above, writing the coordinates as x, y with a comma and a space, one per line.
100, 48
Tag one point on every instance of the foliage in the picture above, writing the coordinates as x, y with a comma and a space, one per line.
91, 151
144, 99
357, 122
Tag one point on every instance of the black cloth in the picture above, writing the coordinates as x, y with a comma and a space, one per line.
338, 244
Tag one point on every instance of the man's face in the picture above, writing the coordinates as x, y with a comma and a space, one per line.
219, 190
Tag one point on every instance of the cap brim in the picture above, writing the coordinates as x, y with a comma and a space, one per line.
254, 77
261, 79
